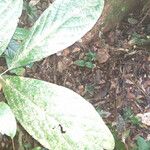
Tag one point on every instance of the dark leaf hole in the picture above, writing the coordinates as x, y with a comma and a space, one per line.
61, 129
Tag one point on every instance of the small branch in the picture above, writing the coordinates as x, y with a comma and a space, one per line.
4, 72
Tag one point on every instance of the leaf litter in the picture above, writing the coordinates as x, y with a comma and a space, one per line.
125, 68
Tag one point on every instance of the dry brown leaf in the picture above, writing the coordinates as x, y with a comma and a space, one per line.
64, 64
102, 56
145, 118
33, 2
76, 50
66, 52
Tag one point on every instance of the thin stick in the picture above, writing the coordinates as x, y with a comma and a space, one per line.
147, 13
4, 72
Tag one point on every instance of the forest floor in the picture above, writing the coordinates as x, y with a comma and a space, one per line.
115, 79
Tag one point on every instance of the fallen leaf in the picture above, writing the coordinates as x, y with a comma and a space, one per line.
64, 64
33, 2
145, 118
80, 89
76, 50
146, 84
102, 56
130, 95
66, 52
129, 82
148, 137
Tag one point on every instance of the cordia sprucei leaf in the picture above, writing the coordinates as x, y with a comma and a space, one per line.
10, 11
11, 51
55, 116
142, 143
14, 46
21, 33
61, 25
8, 124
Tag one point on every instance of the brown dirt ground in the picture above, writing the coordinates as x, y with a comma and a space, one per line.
119, 80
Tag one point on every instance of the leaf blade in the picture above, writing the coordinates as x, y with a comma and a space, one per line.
8, 124
60, 26
68, 123
142, 143
10, 11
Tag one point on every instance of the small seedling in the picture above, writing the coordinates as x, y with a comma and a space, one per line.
89, 89
142, 144
130, 116
88, 61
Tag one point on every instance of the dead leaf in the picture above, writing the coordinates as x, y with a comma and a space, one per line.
76, 50
102, 56
66, 52
64, 64
80, 89
33, 2
146, 83
145, 118
129, 82
130, 95
148, 137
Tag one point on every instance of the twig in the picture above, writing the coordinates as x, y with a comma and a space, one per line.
55, 69
147, 13
138, 106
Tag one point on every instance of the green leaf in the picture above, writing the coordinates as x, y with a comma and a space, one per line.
143, 144
57, 117
31, 10
119, 145
90, 56
10, 53
12, 49
135, 120
21, 34
10, 11
89, 89
7, 120
80, 63
61, 25
89, 65
18, 71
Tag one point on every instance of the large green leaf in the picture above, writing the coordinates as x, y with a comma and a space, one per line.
21, 33
8, 124
61, 25
57, 117
10, 10
14, 46
143, 144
